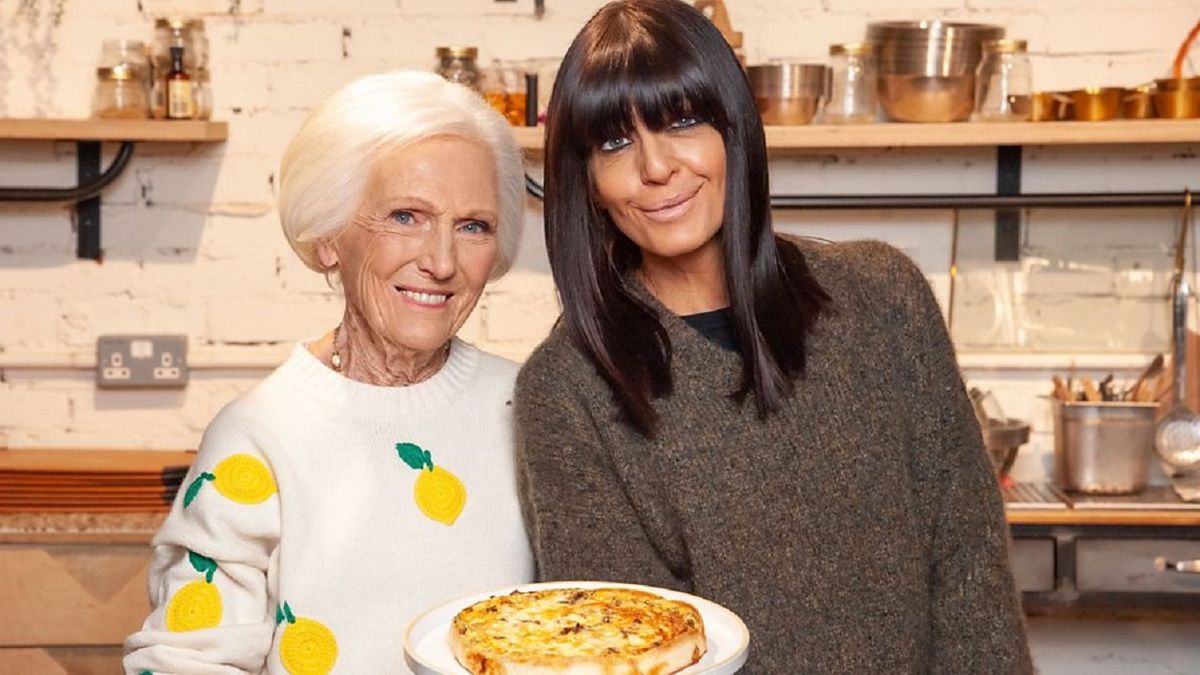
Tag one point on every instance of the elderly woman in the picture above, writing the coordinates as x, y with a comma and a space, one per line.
371, 475
774, 423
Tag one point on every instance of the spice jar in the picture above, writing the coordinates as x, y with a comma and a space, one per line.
1003, 82
120, 92
457, 64
852, 85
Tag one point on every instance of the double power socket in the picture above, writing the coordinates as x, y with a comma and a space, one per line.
141, 361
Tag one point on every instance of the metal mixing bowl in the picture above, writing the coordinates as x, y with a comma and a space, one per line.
789, 93
927, 68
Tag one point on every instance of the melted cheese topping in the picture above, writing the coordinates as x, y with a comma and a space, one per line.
605, 622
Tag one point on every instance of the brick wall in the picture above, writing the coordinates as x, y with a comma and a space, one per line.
192, 242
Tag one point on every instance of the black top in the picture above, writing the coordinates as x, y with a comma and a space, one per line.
716, 326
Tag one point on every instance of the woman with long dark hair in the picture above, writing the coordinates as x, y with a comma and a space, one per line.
773, 423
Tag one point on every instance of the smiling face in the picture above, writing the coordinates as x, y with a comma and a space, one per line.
664, 190
414, 260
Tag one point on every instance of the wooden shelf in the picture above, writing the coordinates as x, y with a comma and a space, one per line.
168, 131
1148, 517
963, 134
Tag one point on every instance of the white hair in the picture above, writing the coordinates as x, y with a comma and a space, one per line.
327, 164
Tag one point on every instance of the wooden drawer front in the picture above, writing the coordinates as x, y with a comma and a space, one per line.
1032, 562
60, 661
71, 594
1127, 565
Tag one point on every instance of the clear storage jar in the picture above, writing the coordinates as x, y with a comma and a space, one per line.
175, 32
457, 64
120, 93
1003, 82
853, 97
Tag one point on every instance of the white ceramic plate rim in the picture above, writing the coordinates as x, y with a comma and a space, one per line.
707, 608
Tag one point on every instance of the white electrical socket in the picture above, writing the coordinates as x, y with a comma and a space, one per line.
140, 361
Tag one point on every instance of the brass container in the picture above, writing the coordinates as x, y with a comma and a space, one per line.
1138, 103
918, 98
1177, 99
1095, 104
789, 93
1049, 106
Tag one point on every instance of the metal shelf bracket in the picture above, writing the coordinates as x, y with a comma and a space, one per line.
85, 195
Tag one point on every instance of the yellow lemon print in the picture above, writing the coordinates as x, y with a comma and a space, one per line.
439, 493
307, 646
239, 477
196, 605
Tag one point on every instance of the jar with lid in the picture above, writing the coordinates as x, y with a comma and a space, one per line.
852, 85
175, 32
1003, 82
120, 92
457, 64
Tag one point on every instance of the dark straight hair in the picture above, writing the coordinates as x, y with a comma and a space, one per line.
658, 61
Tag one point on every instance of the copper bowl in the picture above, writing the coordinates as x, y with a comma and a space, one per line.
1138, 103
1095, 104
1177, 99
788, 93
1049, 106
920, 98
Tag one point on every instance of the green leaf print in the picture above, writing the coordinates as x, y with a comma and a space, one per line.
194, 488
414, 456
204, 565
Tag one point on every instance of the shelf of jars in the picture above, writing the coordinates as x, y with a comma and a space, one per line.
128, 130
958, 134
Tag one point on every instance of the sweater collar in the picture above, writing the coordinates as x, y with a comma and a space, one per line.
305, 371
685, 340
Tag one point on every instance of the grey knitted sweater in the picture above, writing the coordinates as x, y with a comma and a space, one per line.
858, 530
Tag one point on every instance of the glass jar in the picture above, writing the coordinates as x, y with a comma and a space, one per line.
1003, 82
120, 93
457, 64
852, 86
175, 32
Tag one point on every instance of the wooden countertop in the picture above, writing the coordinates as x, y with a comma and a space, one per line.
1141, 518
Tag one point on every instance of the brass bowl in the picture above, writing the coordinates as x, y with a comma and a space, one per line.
1138, 103
1049, 106
920, 98
788, 93
1095, 104
1172, 84
1177, 104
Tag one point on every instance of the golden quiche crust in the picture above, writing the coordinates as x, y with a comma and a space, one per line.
576, 631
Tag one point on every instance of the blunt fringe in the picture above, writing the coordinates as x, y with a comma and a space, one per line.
655, 61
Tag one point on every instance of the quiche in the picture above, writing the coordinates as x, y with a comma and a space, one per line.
606, 631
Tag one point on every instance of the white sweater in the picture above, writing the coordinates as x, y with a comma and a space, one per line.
328, 530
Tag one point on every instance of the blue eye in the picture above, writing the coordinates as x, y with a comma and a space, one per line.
476, 227
614, 144
404, 217
685, 122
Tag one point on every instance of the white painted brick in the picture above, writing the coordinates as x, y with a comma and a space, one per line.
521, 308
86, 318
22, 407
321, 9
263, 134
292, 88
201, 8
241, 87
283, 318
231, 238
29, 319
255, 41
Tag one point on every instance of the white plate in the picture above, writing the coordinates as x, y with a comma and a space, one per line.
427, 649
